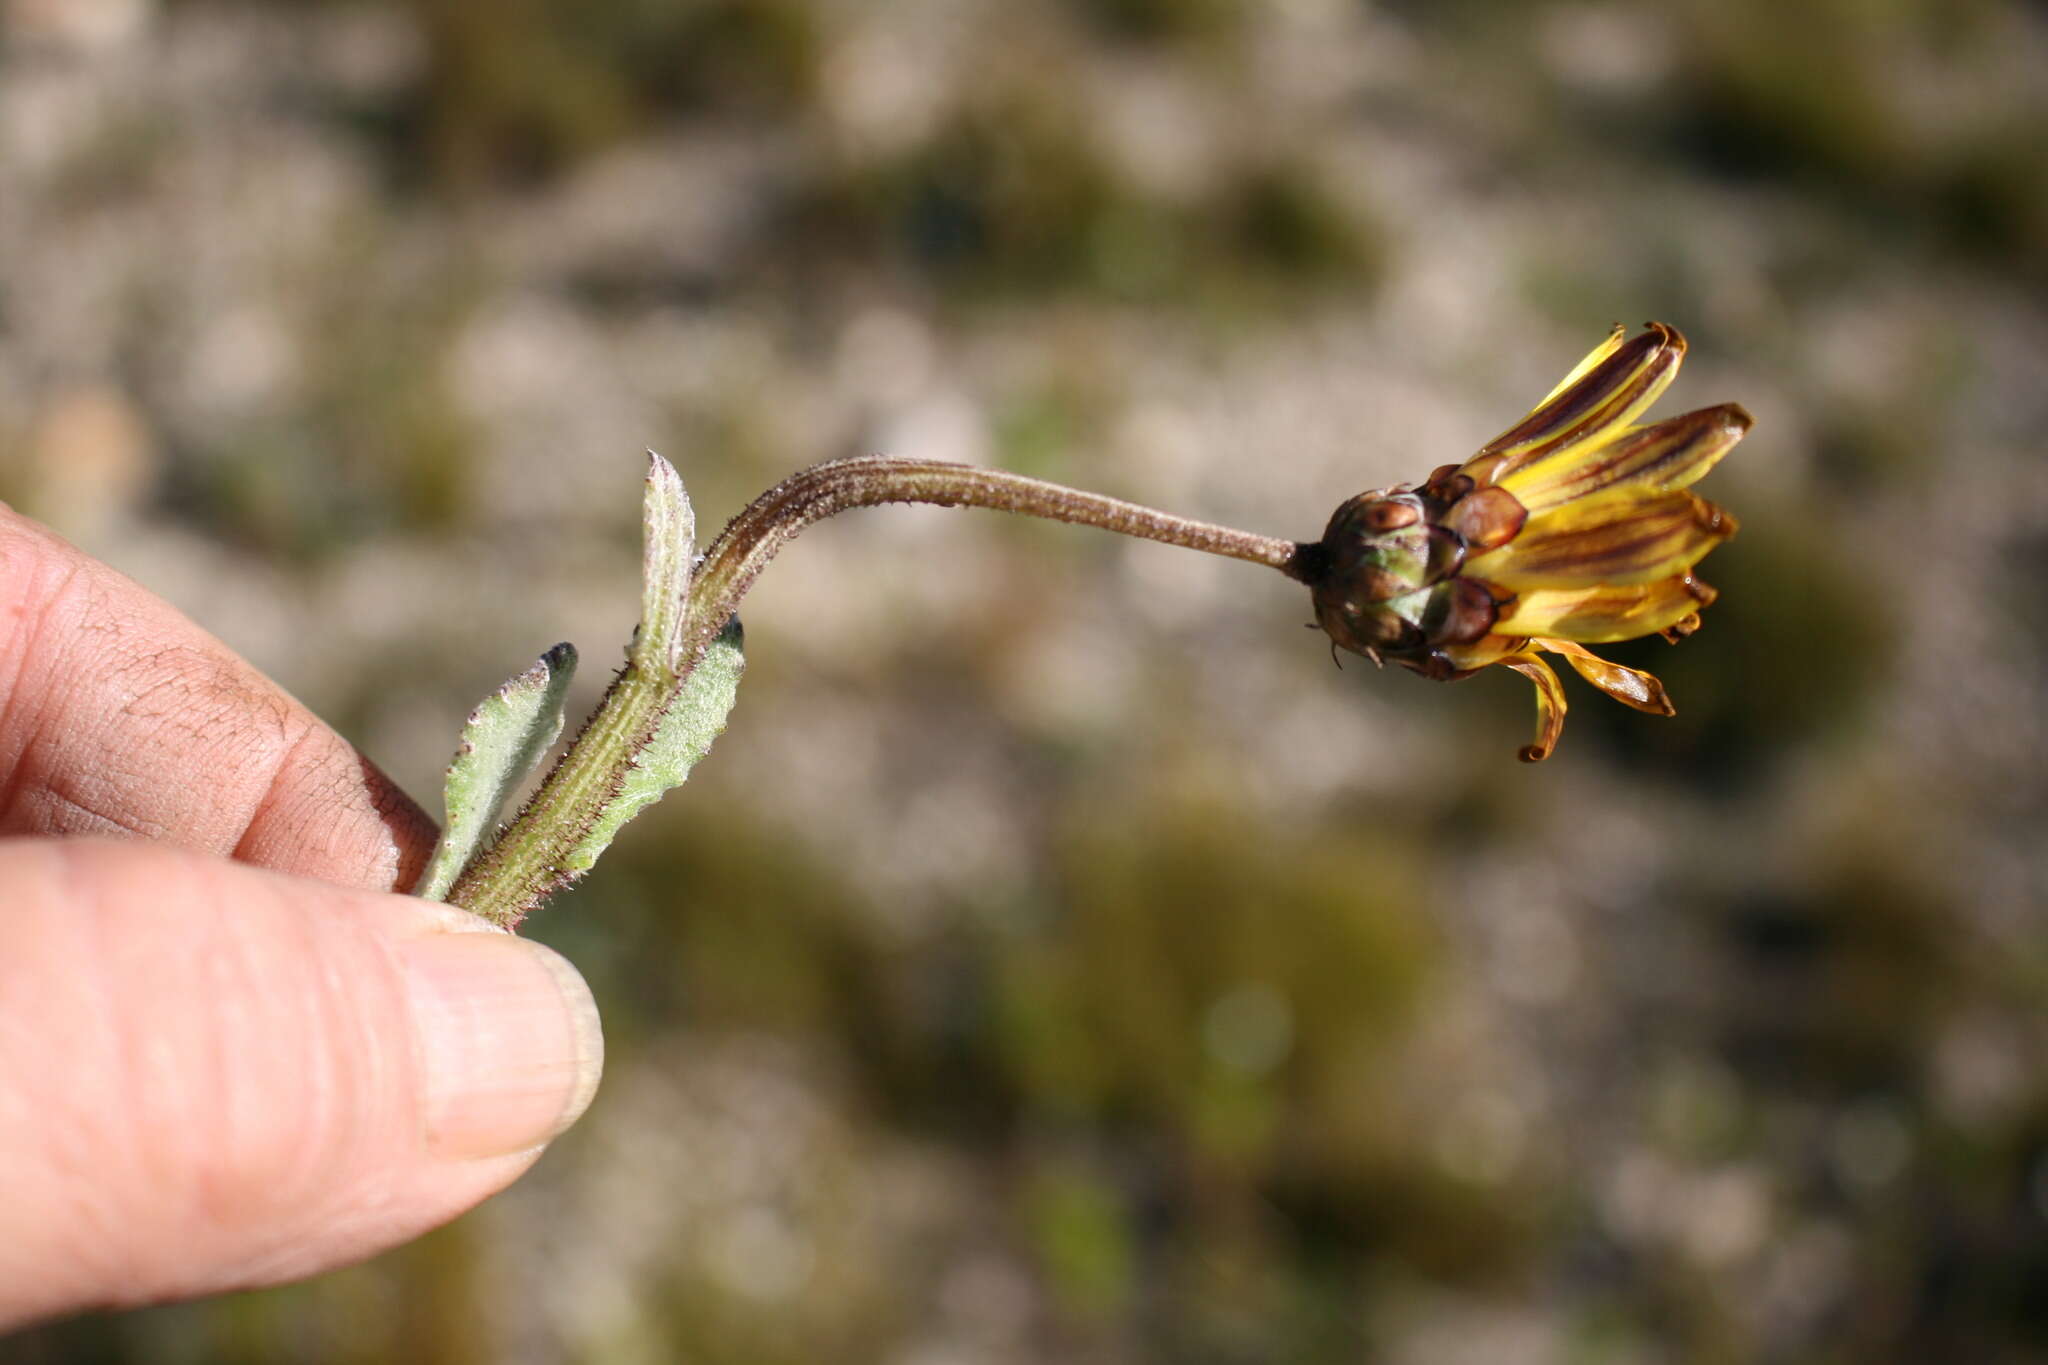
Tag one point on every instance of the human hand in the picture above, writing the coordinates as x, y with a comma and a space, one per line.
229, 1057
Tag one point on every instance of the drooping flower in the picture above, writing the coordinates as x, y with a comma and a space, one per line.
1573, 527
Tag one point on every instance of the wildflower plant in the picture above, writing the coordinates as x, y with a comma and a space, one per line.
1576, 526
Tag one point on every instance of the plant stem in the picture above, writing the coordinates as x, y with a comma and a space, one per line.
543, 849
755, 536
528, 862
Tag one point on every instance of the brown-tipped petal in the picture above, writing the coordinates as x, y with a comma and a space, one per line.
1629, 686
1550, 706
1621, 537
1606, 613
1669, 455
1596, 406
1612, 343
1486, 517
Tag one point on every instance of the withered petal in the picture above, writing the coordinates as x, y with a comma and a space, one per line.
1602, 614
1595, 406
1622, 537
1488, 649
1550, 704
1629, 686
1668, 455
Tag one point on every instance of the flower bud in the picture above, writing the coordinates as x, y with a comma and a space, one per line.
1572, 527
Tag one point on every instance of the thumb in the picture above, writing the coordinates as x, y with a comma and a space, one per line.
214, 1077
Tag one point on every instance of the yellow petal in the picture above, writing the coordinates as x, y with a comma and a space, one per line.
1620, 537
1629, 686
1594, 407
1550, 705
1604, 613
1488, 649
1593, 357
1669, 455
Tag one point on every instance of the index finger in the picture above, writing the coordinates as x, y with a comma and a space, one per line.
119, 716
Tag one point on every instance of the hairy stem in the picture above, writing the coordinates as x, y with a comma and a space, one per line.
529, 860
754, 537
545, 848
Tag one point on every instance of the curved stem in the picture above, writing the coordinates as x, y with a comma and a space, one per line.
549, 844
754, 537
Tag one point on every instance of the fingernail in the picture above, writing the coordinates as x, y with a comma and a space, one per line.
509, 1042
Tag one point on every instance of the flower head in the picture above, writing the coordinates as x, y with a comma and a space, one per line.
1573, 527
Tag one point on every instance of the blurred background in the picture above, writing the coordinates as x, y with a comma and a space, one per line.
1058, 959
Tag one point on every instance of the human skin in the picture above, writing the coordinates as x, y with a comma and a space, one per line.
229, 1055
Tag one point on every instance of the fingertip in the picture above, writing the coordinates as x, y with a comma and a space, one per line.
510, 1044
214, 1077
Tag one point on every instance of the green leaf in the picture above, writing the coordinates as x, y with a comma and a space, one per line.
504, 738
669, 526
646, 735
695, 716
